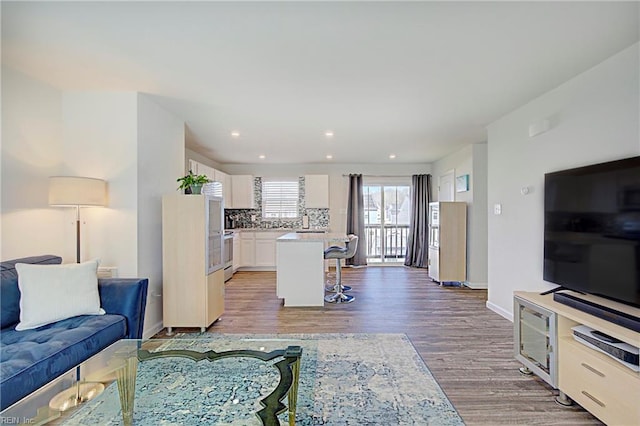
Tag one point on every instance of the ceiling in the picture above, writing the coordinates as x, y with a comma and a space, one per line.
416, 79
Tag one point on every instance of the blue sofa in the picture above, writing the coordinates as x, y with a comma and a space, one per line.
30, 359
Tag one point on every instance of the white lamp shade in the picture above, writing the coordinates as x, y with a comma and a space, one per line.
77, 191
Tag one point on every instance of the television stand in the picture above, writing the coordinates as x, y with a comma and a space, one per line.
599, 383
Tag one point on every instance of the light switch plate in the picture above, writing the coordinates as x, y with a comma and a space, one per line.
497, 209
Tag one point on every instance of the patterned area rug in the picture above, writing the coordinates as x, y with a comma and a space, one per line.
346, 379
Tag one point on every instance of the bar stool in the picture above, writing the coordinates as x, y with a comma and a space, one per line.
339, 253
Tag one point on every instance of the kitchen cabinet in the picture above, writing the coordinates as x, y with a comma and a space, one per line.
266, 248
316, 191
247, 249
265, 252
193, 166
258, 249
210, 172
242, 194
236, 251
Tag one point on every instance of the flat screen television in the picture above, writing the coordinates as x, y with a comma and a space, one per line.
592, 229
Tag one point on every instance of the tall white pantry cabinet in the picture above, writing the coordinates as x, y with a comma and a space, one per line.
191, 297
448, 241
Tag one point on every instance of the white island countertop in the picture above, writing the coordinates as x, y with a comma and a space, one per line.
308, 237
300, 266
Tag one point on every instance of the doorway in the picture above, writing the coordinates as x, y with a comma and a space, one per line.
445, 187
386, 221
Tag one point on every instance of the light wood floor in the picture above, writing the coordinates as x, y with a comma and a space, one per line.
467, 347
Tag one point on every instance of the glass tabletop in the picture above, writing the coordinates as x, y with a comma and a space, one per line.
213, 379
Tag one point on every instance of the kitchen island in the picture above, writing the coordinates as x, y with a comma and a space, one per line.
300, 266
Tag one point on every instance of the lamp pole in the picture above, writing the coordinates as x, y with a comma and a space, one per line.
77, 234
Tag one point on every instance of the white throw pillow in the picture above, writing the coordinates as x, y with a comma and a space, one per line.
50, 293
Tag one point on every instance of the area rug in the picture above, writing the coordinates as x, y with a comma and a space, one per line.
346, 379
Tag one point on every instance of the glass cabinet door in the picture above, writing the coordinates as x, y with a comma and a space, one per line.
535, 339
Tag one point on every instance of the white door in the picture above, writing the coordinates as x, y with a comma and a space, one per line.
445, 187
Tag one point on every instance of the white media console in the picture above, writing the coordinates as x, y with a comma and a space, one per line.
545, 343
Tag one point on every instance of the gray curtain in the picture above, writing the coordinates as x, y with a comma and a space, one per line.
355, 220
418, 239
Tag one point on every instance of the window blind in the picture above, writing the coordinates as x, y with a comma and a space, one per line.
280, 198
213, 189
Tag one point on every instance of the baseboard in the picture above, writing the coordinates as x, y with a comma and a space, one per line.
153, 330
476, 286
256, 268
498, 310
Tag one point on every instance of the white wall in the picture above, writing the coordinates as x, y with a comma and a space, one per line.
100, 139
123, 138
594, 118
470, 160
338, 183
160, 162
478, 238
461, 162
31, 152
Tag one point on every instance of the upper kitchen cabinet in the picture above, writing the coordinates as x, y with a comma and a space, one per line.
316, 190
202, 169
242, 196
225, 180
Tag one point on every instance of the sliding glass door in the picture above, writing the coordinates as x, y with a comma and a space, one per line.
386, 218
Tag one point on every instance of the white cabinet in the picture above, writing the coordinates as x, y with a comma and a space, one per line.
265, 252
316, 191
210, 172
202, 169
236, 251
258, 249
242, 192
247, 249
266, 248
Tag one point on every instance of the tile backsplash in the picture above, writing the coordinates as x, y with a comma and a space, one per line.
318, 218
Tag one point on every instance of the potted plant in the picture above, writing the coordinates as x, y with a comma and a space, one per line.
192, 184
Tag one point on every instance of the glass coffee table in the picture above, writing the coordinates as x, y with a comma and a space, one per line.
216, 379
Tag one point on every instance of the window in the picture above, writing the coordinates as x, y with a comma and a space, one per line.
280, 198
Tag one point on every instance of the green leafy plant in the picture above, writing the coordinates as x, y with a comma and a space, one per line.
192, 180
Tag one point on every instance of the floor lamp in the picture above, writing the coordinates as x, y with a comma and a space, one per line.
70, 191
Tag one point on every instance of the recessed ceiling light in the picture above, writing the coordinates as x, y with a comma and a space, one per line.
235, 134
329, 133
329, 156
262, 156
392, 156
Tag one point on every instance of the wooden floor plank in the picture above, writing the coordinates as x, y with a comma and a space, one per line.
467, 347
